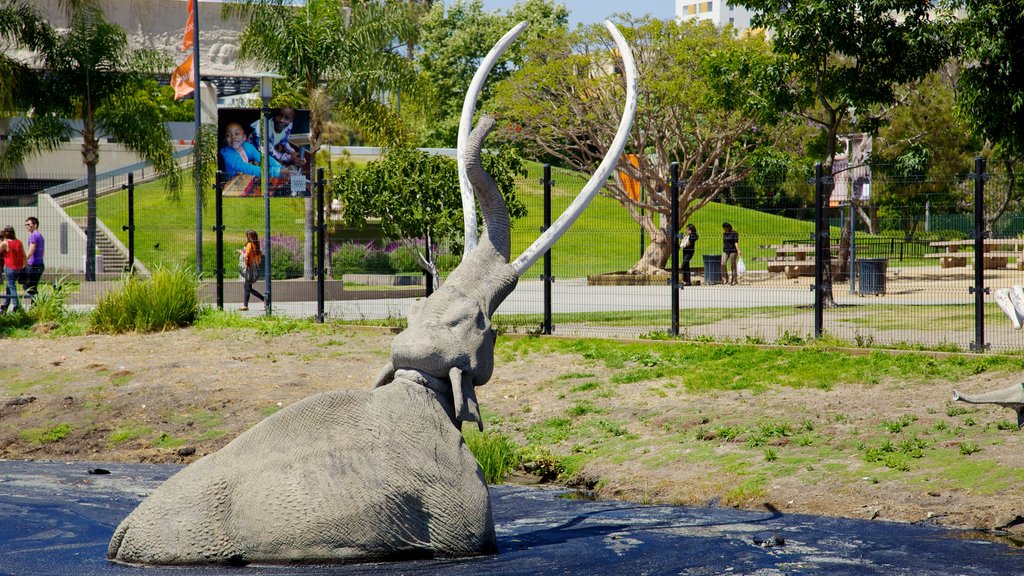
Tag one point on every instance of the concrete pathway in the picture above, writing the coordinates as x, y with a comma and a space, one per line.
57, 518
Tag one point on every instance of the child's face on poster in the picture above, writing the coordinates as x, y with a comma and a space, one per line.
234, 135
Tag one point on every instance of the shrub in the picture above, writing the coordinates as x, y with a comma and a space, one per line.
496, 454
169, 299
348, 258
50, 303
285, 257
404, 259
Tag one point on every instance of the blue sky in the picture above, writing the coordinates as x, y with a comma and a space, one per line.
592, 11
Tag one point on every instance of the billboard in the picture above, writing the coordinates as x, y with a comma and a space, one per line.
240, 151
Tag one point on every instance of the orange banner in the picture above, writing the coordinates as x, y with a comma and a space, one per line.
190, 29
629, 184
181, 79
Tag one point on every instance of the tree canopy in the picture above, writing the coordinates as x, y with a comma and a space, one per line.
454, 40
565, 102
90, 73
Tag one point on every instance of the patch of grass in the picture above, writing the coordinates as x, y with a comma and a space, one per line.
749, 490
770, 455
165, 440
49, 435
128, 431
703, 368
496, 453
268, 410
549, 432
896, 426
586, 386
968, 448
582, 409
953, 411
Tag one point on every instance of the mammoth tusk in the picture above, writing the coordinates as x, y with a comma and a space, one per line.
466, 126
604, 170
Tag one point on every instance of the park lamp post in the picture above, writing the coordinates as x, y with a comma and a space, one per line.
266, 92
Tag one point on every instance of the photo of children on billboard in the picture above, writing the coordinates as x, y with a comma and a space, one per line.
240, 151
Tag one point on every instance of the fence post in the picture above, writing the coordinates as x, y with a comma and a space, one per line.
321, 243
980, 234
130, 228
674, 228
821, 251
546, 327
218, 228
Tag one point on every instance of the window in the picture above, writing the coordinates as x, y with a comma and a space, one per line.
691, 9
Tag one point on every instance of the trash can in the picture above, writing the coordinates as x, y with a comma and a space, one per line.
712, 269
872, 275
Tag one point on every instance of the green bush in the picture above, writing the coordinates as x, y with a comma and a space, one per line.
50, 303
169, 299
405, 259
349, 258
285, 258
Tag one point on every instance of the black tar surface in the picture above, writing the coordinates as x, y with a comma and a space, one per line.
56, 519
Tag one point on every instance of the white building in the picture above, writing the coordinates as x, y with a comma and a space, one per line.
719, 12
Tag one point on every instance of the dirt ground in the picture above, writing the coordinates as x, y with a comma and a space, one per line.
176, 396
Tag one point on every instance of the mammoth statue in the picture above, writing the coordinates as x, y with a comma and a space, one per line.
384, 473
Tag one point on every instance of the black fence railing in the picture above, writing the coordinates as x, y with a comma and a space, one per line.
922, 291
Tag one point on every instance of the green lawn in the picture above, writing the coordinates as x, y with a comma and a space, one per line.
165, 230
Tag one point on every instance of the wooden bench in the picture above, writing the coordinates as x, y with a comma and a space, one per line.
994, 255
795, 268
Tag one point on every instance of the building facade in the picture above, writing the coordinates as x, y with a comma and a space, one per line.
718, 12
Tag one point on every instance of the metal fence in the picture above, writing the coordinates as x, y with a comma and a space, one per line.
914, 281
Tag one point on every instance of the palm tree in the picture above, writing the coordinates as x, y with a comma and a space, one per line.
89, 73
339, 58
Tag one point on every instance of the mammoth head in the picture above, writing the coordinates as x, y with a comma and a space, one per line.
449, 342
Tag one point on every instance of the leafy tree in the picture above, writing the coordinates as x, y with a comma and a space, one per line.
416, 195
340, 59
90, 73
990, 94
564, 104
456, 38
923, 143
845, 59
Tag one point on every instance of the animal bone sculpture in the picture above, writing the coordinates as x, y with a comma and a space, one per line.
349, 476
1009, 397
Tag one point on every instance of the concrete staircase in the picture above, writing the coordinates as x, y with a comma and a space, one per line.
114, 260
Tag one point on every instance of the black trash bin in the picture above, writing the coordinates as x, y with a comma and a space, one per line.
712, 269
872, 275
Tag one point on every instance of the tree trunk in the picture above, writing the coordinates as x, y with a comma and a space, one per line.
655, 255
90, 156
843, 256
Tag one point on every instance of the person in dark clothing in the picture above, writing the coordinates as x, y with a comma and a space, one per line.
688, 242
730, 253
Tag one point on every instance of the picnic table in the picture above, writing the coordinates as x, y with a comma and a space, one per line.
793, 259
996, 252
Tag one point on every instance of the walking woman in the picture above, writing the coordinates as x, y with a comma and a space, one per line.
251, 258
688, 242
13, 254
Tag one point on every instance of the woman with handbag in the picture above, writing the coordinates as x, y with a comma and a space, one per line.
688, 242
13, 254
249, 259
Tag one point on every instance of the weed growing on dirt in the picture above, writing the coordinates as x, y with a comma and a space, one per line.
54, 433
128, 431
